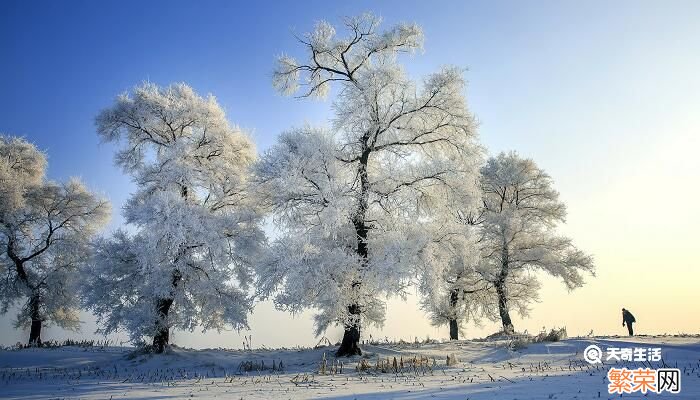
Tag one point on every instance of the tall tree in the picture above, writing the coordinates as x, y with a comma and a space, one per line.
517, 234
186, 263
45, 233
356, 204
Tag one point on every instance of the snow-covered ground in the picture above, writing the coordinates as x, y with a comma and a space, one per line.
486, 370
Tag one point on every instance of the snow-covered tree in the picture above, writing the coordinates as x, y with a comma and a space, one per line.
357, 203
45, 233
186, 261
452, 292
517, 234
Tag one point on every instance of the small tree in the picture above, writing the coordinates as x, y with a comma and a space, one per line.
517, 234
452, 292
187, 262
45, 232
356, 206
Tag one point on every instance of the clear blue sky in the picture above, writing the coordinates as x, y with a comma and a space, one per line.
604, 95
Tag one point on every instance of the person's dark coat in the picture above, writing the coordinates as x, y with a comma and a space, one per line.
627, 317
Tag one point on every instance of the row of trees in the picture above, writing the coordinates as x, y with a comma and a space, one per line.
394, 193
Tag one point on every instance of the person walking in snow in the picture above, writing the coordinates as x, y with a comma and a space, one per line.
628, 319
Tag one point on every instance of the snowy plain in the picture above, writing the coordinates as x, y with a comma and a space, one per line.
485, 370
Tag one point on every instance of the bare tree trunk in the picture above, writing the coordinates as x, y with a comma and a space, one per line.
508, 328
350, 346
35, 330
162, 336
454, 330
454, 326
501, 290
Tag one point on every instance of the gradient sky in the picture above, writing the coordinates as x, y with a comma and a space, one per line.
605, 96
